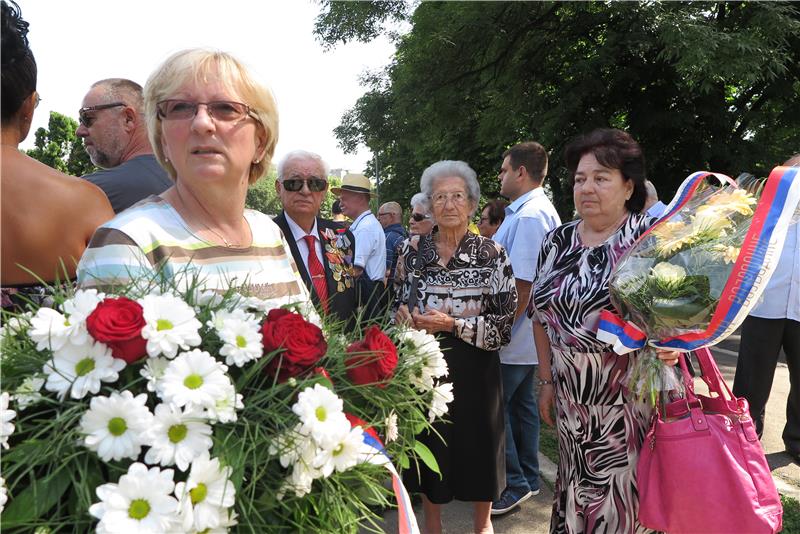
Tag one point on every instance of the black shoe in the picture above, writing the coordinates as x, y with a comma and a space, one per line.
509, 500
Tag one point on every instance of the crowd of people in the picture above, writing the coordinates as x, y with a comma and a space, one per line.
514, 300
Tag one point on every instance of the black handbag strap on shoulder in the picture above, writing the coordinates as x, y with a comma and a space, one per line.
419, 268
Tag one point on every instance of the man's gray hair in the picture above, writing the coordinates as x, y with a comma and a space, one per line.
303, 154
130, 92
448, 168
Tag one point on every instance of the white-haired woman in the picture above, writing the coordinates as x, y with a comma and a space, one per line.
214, 129
420, 222
466, 295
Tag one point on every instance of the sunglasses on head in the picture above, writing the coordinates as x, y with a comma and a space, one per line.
419, 217
88, 120
315, 185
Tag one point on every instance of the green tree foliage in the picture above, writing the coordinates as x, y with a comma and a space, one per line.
701, 85
59, 147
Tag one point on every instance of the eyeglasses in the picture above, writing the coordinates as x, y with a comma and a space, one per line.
315, 185
458, 197
37, 101
221, 110
419, 217
483, 220
88, 120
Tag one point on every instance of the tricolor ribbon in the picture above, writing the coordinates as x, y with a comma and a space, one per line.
374, 452
757, 259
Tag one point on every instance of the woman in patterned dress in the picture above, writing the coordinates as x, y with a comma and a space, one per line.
466, 295
600, 426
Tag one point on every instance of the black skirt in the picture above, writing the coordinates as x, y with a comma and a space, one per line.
471, 449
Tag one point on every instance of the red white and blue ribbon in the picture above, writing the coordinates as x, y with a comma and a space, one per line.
757, 259
374, 452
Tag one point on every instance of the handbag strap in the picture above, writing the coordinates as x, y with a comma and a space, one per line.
419, 267
711, 376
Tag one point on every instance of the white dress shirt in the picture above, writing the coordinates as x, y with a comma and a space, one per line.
370, 253
298, 234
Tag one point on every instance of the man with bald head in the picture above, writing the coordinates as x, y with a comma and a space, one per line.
115, 135
390, 215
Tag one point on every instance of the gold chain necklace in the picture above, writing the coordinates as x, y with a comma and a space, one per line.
227, 243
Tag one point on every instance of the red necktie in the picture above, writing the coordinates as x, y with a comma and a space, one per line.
317, 272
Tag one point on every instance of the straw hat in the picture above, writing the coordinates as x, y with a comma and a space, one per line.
356, 183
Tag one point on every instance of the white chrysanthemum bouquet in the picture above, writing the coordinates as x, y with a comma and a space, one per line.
692, 278
170, 411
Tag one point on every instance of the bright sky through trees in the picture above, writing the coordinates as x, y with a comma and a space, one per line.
77, 43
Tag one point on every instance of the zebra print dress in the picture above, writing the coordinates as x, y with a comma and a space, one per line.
600, 430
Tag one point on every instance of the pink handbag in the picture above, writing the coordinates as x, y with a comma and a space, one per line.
702, 468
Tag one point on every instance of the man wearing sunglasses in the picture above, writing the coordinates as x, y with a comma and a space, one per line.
322, 249
115, 136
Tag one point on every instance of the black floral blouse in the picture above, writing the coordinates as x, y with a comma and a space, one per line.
476, 287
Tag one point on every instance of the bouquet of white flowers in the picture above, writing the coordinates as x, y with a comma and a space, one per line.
168, 410
692, 278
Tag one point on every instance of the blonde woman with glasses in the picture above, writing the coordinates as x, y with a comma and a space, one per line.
214, 129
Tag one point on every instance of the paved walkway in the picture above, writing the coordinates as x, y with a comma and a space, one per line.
533, 516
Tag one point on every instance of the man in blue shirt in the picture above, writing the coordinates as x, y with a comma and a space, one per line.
528, 218
389, 215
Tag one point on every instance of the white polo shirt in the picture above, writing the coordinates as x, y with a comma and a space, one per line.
370, 252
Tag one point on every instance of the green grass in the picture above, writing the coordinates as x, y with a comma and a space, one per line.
791, 515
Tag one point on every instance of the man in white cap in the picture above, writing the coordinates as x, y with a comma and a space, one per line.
370, 254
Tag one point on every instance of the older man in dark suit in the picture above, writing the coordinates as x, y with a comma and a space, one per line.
322, 249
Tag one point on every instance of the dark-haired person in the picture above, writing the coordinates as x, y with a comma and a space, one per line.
492, 216
47, 217
528, 218
600, 428
115, 135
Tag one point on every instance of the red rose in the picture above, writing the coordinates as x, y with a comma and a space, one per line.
303, 342
373, 359
118, 323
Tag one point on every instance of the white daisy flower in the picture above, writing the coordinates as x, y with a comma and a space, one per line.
225, 407
177, 437
79, 369
242, 341
140, 502
6, 415
320, 411
16, 325
292, 445
28, 392
299, 481
82, 304
51, 330
206, 495
255, 304
219, 317
170, 324
206, 298
442, 396
391, 427
195, 378
343, 455
153, 371
3, 494
116, 426
427, 359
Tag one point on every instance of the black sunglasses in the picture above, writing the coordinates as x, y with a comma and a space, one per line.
88, 120
419, 217
315, 185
